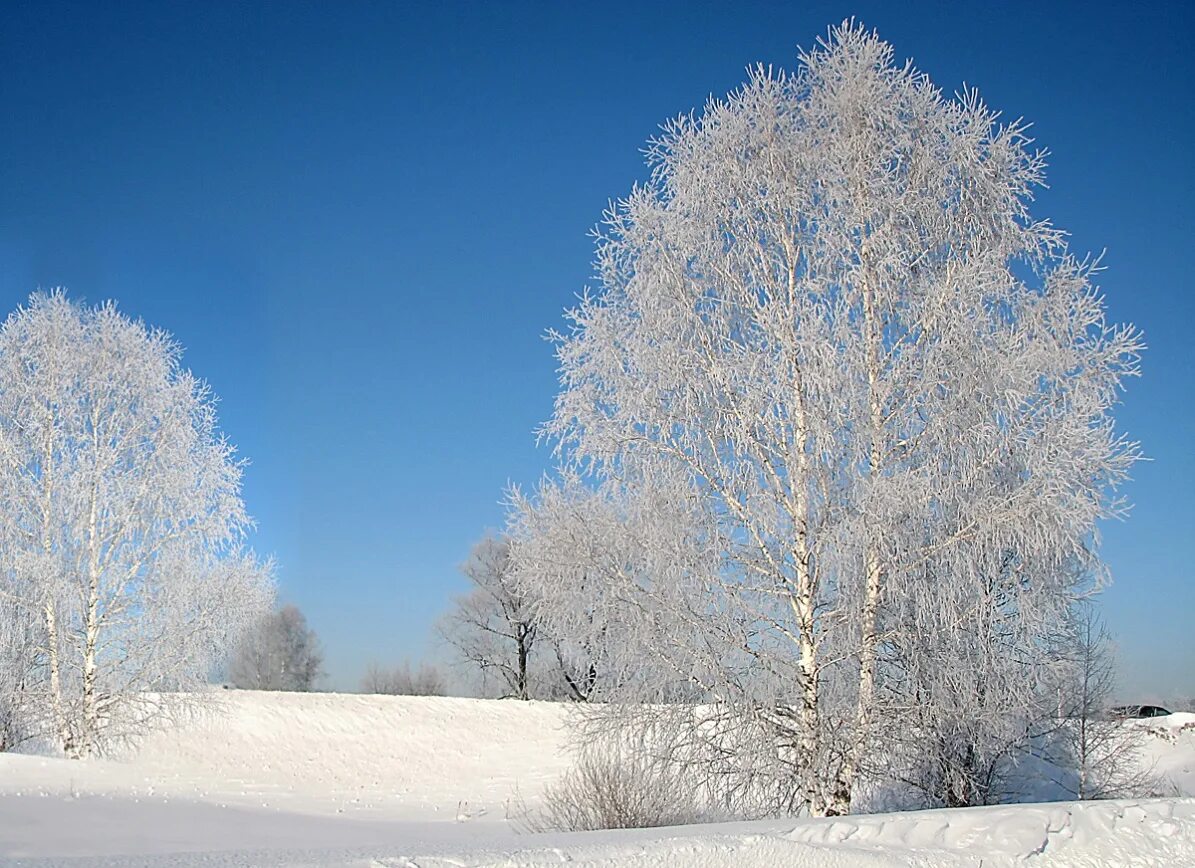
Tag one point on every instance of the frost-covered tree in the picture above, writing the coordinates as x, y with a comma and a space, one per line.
832, 359
493, 627
18, 674
1105, 756
280, 653
974, 676
124, 522
565, 544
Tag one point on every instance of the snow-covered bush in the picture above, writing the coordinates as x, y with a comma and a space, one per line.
612, 785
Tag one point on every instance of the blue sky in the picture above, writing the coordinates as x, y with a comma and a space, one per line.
360, 218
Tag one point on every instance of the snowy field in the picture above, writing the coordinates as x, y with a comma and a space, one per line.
329, 780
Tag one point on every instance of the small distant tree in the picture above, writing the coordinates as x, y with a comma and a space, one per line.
566, 542
18, 675
282, 653
376, 680
578, 668
426, 680
1105, 756
493, 627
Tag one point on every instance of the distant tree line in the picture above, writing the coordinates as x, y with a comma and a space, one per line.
402, 680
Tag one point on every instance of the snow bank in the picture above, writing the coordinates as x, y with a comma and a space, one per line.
113, 833
1127, 833
1168, 746
368, 781
383, 756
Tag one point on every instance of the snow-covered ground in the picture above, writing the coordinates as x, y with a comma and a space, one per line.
327, 779
366, 757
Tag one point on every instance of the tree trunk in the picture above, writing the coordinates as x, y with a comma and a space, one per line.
521, 688
91, 717
808, 741
873, 568
868, 655
61, 725
804, 601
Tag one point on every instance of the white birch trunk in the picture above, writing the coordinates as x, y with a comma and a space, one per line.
873, 568
91, 720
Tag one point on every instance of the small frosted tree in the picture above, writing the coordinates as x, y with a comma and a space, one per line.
493, 627
567, 541
975, 671
279, 653
124, 520
1105, 756
18, 674
832, 359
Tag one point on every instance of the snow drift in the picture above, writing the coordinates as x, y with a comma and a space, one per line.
326, 779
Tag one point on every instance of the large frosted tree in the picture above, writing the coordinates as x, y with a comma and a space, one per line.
124, 521
836, 384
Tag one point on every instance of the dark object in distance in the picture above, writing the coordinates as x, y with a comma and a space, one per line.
1127, 712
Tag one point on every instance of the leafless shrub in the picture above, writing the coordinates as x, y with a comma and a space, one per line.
614, 786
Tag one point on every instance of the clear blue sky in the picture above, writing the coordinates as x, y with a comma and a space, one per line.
359, 219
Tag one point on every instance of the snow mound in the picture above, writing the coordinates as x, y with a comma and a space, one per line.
371, 781
329, 753
1117, 831
1126, 833
1168, 747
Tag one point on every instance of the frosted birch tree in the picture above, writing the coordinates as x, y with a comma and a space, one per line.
125, 524
831, 358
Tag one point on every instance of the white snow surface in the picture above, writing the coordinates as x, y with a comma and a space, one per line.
328, 753
1169, 749
383, 782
